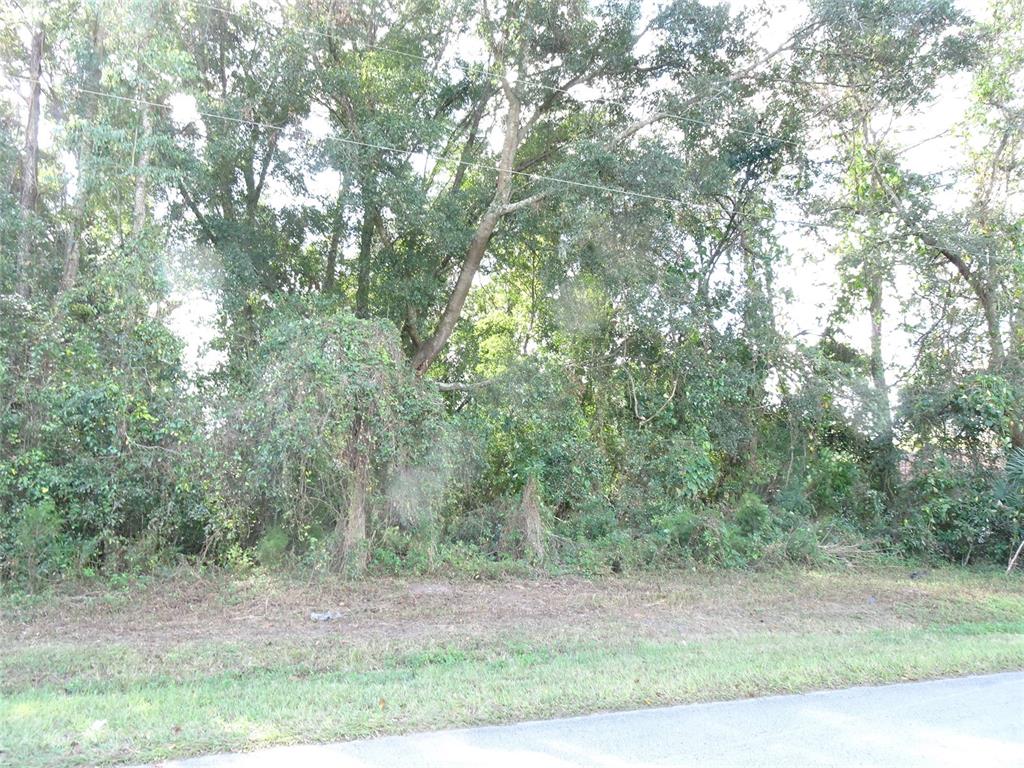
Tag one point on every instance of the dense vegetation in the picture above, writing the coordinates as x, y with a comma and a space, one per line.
507, 282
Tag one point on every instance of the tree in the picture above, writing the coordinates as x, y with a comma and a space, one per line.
29, 182
874, 63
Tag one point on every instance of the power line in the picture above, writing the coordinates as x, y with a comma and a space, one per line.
383, 147
405, 151
92, 162
481, 69
368, 145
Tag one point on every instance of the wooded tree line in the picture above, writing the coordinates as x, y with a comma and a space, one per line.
507, 280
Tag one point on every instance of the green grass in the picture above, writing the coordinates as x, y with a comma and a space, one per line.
63, 706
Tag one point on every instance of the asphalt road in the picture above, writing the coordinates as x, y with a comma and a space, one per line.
965, 722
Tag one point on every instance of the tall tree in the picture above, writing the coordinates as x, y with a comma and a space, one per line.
30, 166
875, 63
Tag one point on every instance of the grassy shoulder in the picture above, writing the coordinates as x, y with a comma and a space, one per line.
131, 696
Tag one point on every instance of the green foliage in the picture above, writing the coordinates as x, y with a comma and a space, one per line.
663, 473
320, 384
1015, 469
272, 547
99, 426
616, 552
752, 515
746, 532
609, 319
839, 485
37, 550
962, 512
534, 423
965, 413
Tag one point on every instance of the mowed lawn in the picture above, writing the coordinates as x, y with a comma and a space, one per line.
198, 663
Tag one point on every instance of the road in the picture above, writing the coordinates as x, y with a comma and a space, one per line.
964, 722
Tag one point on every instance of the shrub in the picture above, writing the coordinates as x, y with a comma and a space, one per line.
533, 424
98, 426
752, 514
617, 552
750, 532
959, 511
839, 485
37, 549
272, 547
664, 474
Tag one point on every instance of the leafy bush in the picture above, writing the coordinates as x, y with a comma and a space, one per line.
752, 514
99, 425
619, 551
750, 532
272, 547
663, 474
531, 423
965, 414
37, 549
839, 485
959, 511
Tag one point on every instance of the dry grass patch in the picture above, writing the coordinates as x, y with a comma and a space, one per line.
197, 607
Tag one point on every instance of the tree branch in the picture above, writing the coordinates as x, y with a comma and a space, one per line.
526, 202
431, 348
200, 218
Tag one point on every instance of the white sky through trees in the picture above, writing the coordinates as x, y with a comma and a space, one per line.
928, 141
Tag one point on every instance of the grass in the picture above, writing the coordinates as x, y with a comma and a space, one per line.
130, 700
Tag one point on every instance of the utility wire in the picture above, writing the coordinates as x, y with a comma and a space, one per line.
129, 171
440, 159
383, 147
368, 145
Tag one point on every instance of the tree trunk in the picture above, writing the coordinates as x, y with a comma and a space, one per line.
139, 208
884, 441
363, 263
758, 320
350, 529
525, 526
877, 361
30, 170
331, 269
72, 249
995, 336
431, 348
1014, 358
980, 287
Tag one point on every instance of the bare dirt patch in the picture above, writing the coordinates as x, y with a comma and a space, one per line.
197, 607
